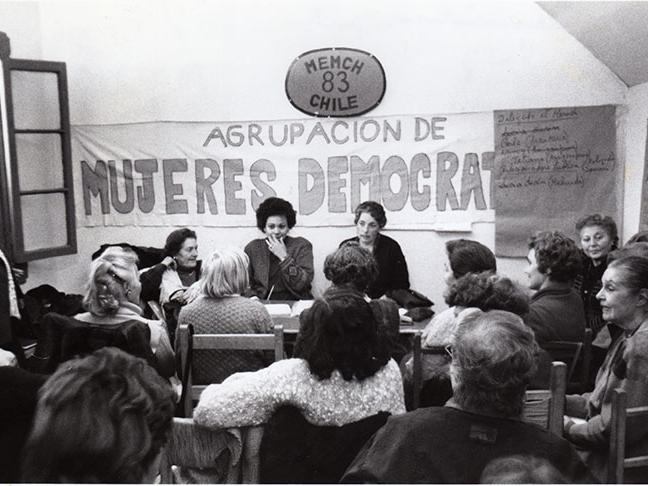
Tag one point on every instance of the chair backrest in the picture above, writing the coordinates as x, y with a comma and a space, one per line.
577, 357
216, 452
67, 338
417, 366
546, 407
624, 419
188, 342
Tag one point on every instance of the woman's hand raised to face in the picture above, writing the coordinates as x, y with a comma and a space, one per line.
277, 247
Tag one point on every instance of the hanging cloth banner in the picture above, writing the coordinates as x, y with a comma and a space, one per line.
554, 166
429, 171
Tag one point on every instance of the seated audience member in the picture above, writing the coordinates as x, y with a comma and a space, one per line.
18, 397
639, 237
341, 373
171, 279
392, 275
493, 359
281, 266
598, 237
521, 469
352, 269
111, 301
220, 309
100, 419
464, 257
473, 292
556, 310
624, 301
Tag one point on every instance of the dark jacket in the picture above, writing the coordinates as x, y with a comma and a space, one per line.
296, 452
392, 267
556, 314
448, 445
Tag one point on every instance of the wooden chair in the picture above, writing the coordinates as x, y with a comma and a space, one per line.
577, 356
217, 453
417, 366
188, 341
624, 419
546, 407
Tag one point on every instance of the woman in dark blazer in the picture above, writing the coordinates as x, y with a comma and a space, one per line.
370, 219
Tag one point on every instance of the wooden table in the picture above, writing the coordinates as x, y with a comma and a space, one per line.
291, 325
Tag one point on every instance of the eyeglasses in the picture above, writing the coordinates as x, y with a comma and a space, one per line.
448, 349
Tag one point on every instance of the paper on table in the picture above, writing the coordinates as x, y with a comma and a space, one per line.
278, 310
300, 306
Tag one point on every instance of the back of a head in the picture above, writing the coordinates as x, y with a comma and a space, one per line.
100, 419
493, 360
469, 256
351, 264
521, 469
638, 249
113, 275
557, 255
225, 272
340, 333
488, 291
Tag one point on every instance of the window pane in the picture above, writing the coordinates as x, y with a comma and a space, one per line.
35, 100
44, 221
40, 162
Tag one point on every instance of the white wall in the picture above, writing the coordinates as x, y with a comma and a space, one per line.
227, 59
636, 127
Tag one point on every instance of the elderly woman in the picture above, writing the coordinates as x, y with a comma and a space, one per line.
464, 257
281, 266
370, 219
624, 302
556, 310
341, 373
100, 419
598, 237
169, 280
223, 280
493, 359
112, 302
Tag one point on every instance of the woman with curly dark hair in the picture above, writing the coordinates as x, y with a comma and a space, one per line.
352, 268
341, 373
556, 310
281, 266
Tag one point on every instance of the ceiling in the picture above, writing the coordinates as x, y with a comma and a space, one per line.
615, 32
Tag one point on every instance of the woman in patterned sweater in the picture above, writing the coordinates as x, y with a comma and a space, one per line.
342, 373
220, 309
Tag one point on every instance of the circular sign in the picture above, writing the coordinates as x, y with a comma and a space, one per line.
335, 81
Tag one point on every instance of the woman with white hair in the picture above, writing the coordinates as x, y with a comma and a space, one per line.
221, 309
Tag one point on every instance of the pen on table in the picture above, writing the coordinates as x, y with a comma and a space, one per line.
270, 294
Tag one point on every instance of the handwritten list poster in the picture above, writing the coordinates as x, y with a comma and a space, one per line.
552, 166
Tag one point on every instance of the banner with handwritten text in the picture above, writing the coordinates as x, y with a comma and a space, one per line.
429, 171
553, 166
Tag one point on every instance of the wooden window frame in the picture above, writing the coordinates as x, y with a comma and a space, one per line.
11, 190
